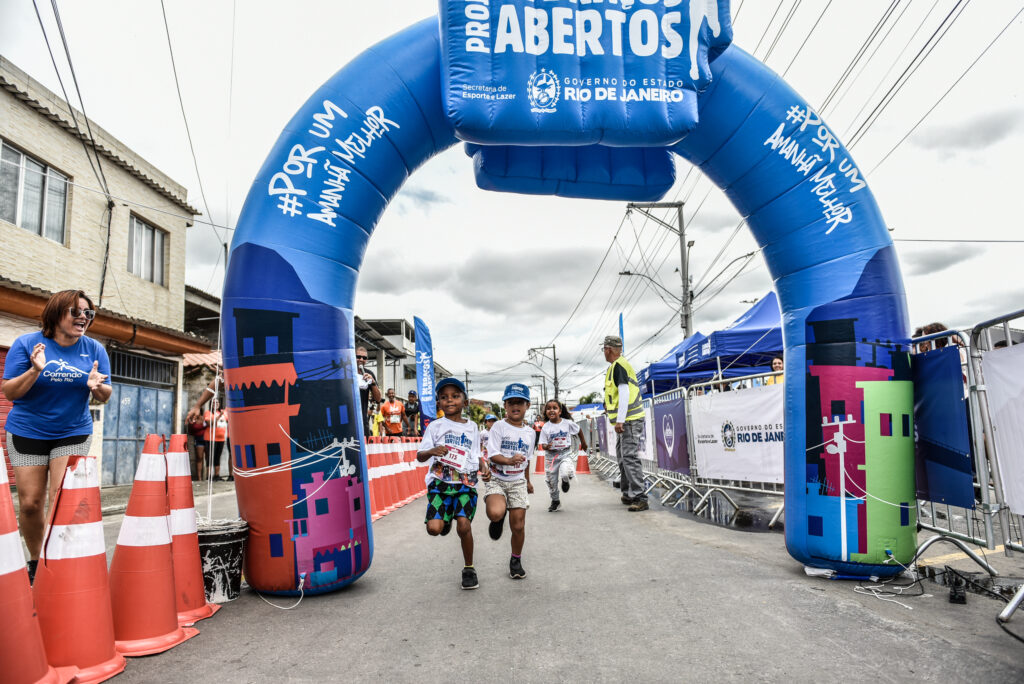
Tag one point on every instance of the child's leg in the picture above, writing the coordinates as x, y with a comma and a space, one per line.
436, 508
495, 507
517, 523
552, 479
465, 532
567, 469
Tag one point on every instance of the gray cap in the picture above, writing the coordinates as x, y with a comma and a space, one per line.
612, 341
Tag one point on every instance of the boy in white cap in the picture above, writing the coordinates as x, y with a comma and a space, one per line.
510, 446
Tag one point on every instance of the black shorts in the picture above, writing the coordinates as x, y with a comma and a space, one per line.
27, 451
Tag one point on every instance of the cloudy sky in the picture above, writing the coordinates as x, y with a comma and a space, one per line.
496, 274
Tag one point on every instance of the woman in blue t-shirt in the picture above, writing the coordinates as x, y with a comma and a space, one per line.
50, 375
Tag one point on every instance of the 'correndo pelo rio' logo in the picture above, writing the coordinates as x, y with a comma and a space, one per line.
543, 90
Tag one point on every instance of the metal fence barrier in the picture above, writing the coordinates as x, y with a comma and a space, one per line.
682, 488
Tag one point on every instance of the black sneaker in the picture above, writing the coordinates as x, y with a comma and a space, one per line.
639, 505
565, 485
446, 528
625, 499
515, 568
555, 503
469, 580
616, 484
495, 528
31, 567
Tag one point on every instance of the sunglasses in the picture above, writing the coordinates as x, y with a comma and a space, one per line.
361, 357
76, 312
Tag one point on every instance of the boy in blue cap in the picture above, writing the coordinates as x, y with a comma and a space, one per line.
451, 444
510, 446
489, 420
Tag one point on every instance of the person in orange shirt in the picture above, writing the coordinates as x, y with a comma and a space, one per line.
217, 424
394, 413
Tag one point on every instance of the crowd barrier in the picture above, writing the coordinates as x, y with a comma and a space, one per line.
671, 465
396, 477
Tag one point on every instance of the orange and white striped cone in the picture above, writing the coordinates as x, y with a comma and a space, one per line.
582, 464
71, 590
539, 456
189, 593
21, 641
142, 573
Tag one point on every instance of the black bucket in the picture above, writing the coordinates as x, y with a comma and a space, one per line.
222, 550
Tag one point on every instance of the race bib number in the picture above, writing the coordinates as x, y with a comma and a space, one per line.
560, 443
457, 457
393, 419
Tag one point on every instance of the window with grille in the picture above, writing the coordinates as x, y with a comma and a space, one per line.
32, 195
142, 370
147, 251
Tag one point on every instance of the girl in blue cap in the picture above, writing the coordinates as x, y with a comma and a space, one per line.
509, 449
451, 445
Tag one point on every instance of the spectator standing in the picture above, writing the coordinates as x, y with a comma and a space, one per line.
624, 408
197, 428
393, 413
777, 366
216, 436
367, 387
412, 415
50, 377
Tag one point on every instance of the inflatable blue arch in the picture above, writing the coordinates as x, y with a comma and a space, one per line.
578, 98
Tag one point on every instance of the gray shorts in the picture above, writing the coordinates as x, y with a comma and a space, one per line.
514, 492
23, 451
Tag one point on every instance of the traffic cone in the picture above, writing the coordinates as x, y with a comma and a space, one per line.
141, 573
71, 591
21, 641
583, 464
538, 455
189, 594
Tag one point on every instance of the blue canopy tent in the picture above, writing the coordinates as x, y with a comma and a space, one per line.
750, 341
663, 375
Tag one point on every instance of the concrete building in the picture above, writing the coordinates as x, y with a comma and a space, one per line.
126, 249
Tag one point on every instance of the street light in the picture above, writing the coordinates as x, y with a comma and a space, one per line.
647, 277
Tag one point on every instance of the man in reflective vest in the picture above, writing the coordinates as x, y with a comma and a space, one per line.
625, 409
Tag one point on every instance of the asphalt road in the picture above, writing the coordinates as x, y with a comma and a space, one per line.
609, 596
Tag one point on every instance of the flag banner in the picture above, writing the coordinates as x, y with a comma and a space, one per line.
670, 432
1003, 370
425, 372
739, 435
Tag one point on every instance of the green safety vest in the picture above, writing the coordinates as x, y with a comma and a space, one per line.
635, 409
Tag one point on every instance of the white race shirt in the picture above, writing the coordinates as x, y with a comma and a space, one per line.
558, 436
461, 463
508, 441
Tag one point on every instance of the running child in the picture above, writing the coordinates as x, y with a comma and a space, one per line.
489, 420
510, 446
556, 438
451, 444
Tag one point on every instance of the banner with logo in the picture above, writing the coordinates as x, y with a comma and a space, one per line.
670, 432
576, 72
1003, 370
425, 372
602, 435
739, 435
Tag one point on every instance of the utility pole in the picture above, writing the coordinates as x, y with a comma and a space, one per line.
686, 310
533, 353
543, 387
467, 387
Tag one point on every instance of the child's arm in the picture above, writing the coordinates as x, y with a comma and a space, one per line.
529, 485
583, 442
426, 454
485, 470
507, 460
